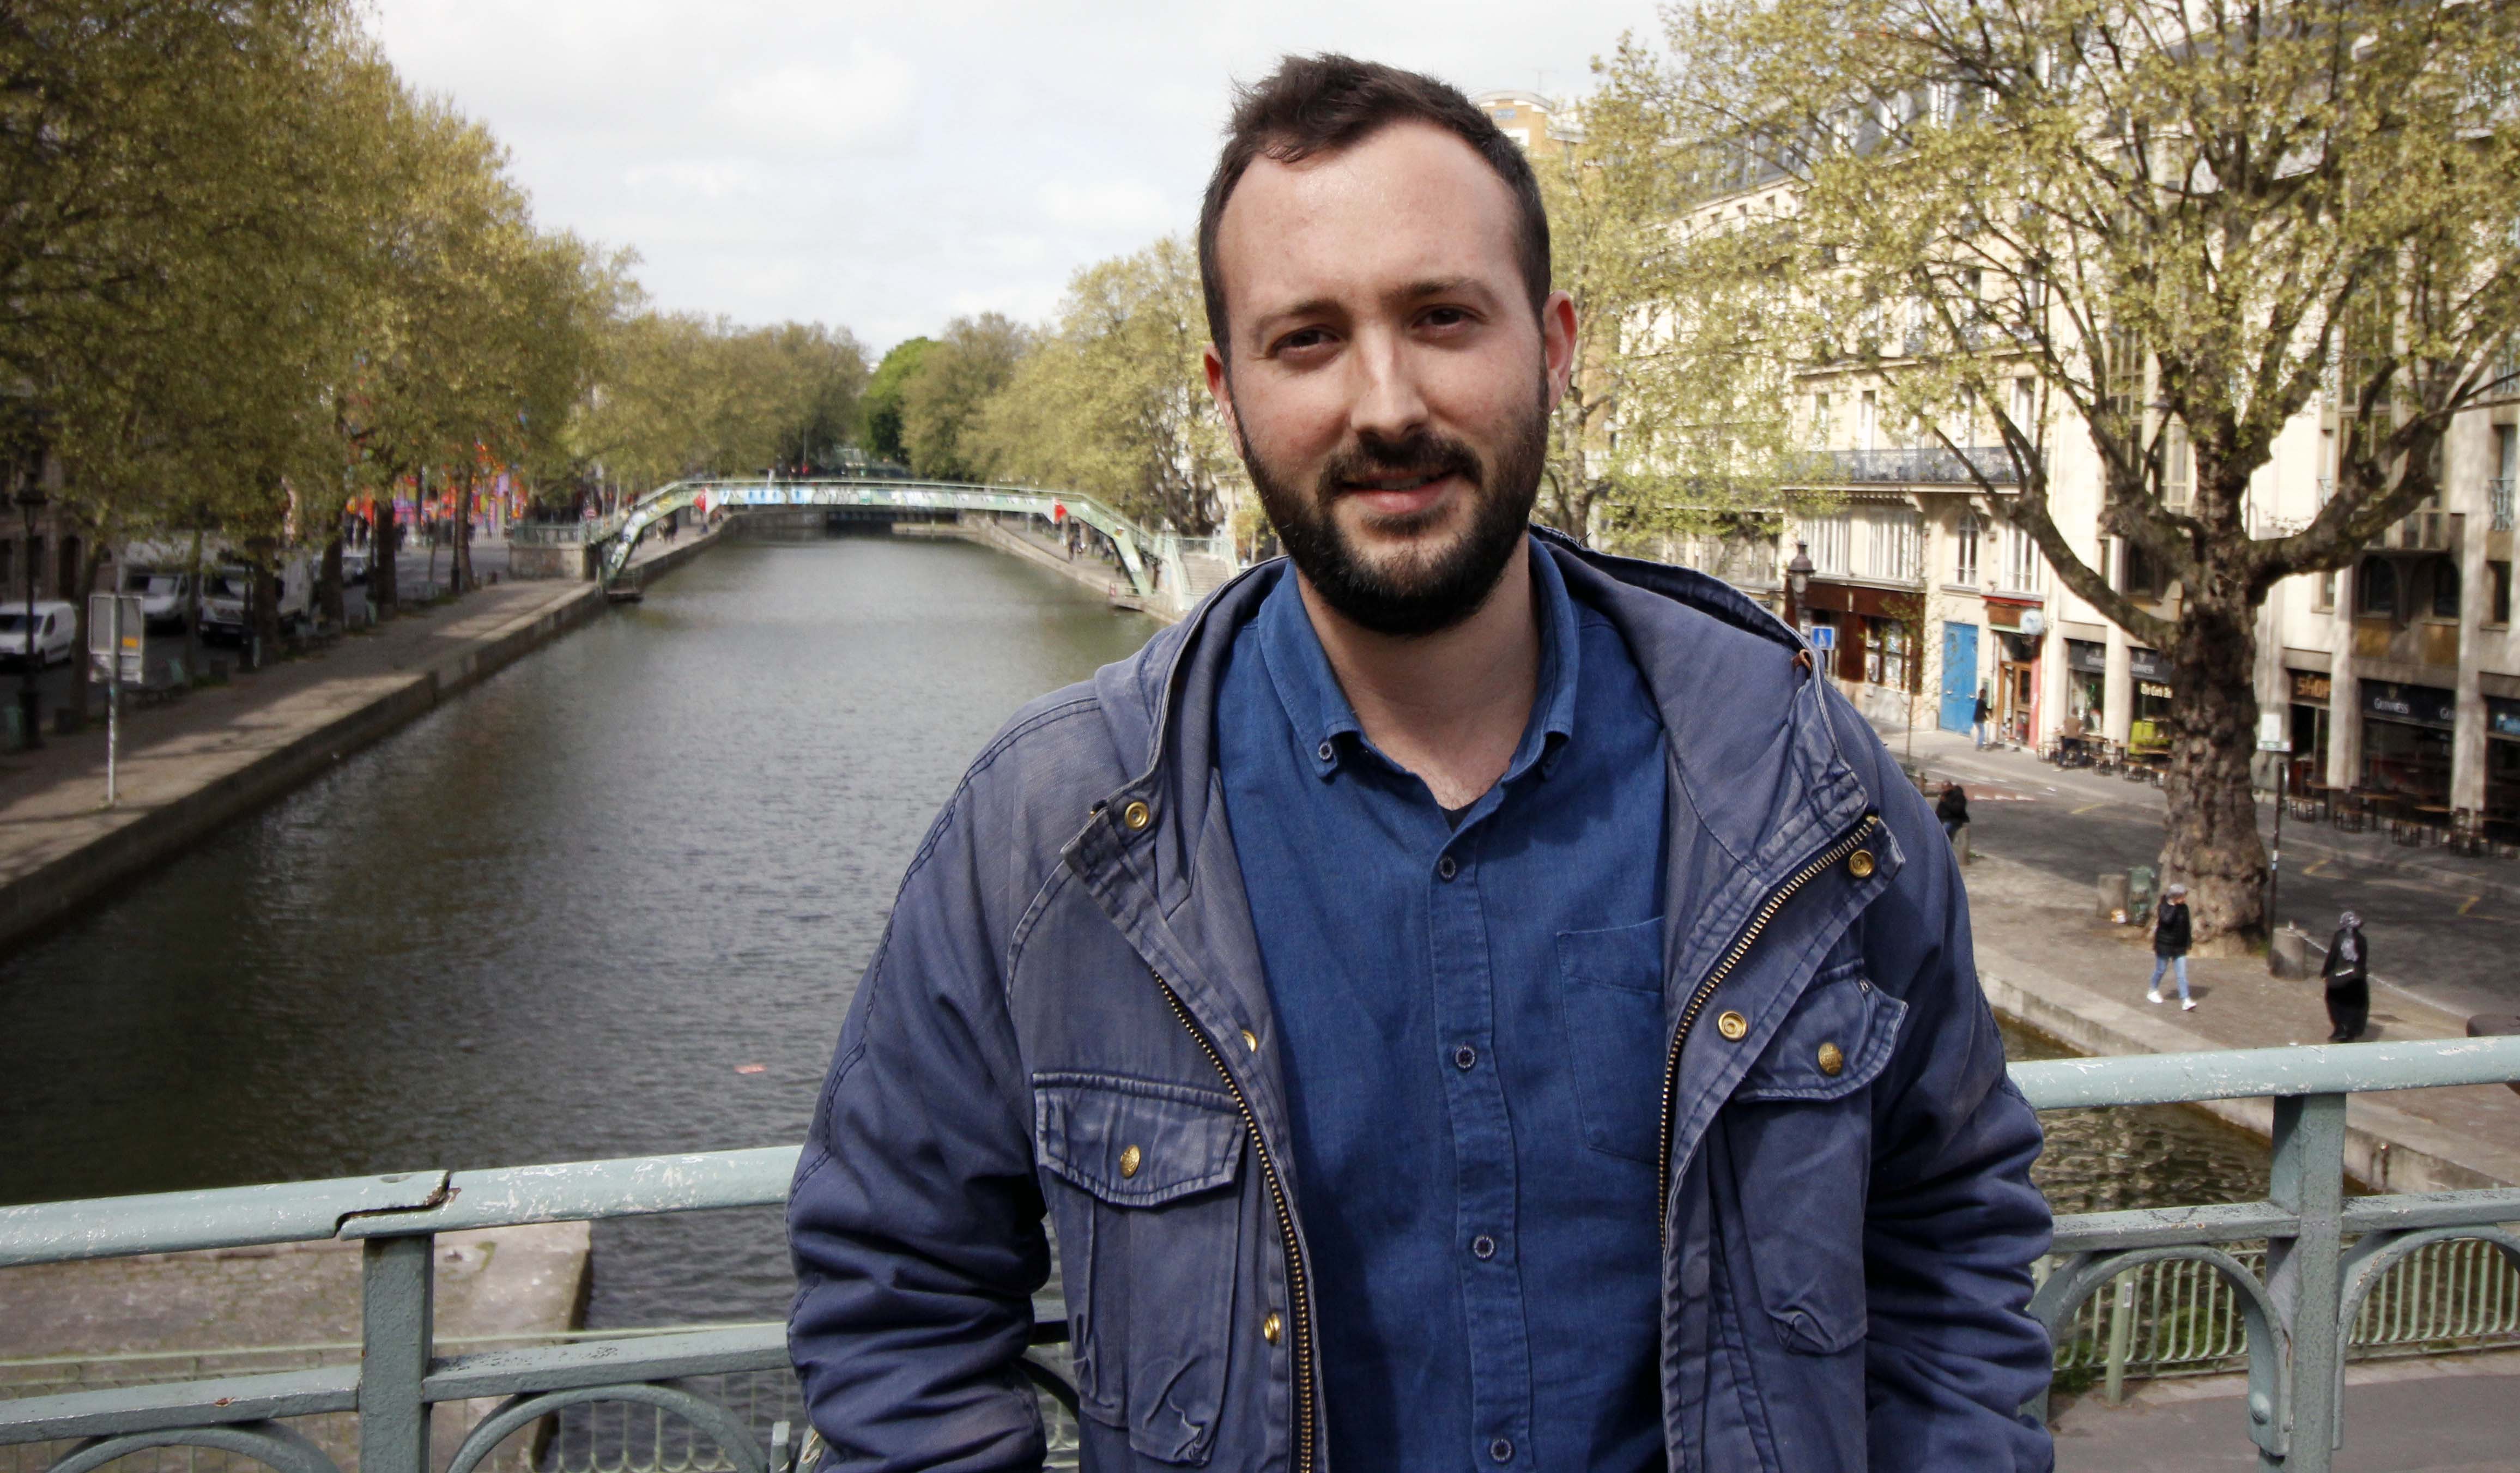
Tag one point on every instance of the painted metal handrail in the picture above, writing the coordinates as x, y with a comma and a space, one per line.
2297, 1296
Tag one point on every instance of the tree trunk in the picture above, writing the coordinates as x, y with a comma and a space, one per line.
381, 548
328, 584
266, 614
2211, 838
461, 570
89, 566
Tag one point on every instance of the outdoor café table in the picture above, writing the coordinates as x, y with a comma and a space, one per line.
2324, 795
2435, 816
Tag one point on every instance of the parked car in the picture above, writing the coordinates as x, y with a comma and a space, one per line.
165, 595
55, 636
230, 585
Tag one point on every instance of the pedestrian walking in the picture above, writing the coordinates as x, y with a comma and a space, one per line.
2348, 972
1953, 810
1978, 717
1336, 1192
2170, 932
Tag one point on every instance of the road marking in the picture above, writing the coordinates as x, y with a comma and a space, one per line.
2469, 904
2089, 807
2314, 868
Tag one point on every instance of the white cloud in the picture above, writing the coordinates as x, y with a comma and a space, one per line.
886, 167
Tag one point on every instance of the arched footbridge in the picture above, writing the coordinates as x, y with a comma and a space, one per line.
1140, 552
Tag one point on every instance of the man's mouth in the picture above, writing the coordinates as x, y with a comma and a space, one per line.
1400, 493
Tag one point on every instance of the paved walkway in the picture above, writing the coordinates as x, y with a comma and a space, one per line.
2437, 1414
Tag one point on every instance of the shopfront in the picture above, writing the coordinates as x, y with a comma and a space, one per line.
2149, 730
2086, 683
2019, 631
2406, 741
2503, 769
2308, 726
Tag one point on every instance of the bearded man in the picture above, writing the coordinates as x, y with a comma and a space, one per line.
1465, 1002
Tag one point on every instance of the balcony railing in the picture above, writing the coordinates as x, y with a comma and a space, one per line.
2299, 1269
1924, 466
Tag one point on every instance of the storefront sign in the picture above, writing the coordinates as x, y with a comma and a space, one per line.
2087, 656
2147, 687
2310, 690
2147, 664
2416, 705
2502, 717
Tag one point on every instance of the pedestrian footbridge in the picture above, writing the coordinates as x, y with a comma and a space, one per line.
1158, 565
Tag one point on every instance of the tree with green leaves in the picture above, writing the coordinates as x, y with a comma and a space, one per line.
2148, 224
880, 410
941, 402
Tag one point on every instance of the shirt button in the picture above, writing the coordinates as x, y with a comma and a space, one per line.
1483, 1247
1501, 1449
1446, 868
1465, 1056
1326, 751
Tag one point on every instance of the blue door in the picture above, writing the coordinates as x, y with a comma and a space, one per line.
1960, 676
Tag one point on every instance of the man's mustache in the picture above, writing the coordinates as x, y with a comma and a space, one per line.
1427, 455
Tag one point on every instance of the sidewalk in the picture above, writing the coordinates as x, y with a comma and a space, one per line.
2426, 1414
209, 756
1953, 754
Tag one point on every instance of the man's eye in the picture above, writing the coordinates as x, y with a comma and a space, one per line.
1302, 341
1445, 317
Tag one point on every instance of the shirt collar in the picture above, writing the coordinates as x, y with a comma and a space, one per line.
1319, 709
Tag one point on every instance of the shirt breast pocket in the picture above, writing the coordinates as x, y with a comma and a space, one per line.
1149, 1239
1609, 998
1800, 1131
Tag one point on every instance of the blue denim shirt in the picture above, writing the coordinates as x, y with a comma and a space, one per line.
1471, 1026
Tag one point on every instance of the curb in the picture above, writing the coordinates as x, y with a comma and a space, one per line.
54, 889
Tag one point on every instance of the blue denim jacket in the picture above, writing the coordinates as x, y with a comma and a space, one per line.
1068, 1014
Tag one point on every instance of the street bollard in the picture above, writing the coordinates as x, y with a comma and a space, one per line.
2121, 1338
2113, 896
2288, 954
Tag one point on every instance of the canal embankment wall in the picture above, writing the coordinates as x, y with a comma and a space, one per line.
985, 530
2049, 962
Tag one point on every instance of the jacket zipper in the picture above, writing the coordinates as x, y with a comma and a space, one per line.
1300, 1319
1741, 945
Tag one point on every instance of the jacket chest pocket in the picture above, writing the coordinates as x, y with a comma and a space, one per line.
1609, 998
1149, 1240
1799, 1129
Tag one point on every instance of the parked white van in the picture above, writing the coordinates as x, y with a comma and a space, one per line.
228, 587
165, 595
54, 637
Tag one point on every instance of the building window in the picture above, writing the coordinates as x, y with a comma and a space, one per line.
2445, 589
2323, 597
1892, 535
2498, 574
1828, 543
1965, 556
1885, 653
2177, 481
1867, 421
2020, 561
2375, 587
1819, 420
2145, 578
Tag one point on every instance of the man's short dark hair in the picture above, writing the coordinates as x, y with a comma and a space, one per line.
1322, 104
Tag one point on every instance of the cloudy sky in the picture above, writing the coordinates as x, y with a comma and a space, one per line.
888, 167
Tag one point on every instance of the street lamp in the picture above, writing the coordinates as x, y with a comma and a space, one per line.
30, 499
1798, 571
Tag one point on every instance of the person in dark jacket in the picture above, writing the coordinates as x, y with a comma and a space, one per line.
2170, 932
2349, 980
1978, 715
1463, 1001
1953, 809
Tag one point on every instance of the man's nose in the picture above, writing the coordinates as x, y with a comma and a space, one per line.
1387, 403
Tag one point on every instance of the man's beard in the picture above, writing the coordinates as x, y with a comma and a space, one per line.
1420, 590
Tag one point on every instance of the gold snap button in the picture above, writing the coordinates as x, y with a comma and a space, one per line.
1250, 1041
1129, 1159
1859, 864
1137, 815
1732, 1025
1832, 1060
1271, 1328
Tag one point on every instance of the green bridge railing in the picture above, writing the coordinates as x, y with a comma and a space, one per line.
2300, 1266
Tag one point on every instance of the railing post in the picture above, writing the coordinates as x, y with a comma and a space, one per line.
2121, 1338
2303, 1274
397, 1312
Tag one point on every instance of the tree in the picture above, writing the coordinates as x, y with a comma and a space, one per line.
1673, 418
942, 400
1114, 402
880, 425
2161, 224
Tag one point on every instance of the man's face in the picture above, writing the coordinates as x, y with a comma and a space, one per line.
1385, 375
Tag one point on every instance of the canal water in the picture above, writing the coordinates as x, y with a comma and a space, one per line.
613, 902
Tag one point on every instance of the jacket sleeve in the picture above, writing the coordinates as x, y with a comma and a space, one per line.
916, 1219
1952, 1222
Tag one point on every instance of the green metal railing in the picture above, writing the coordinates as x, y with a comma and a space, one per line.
2301, 1268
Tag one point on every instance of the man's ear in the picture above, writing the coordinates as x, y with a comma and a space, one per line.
1557, 343
1220, 390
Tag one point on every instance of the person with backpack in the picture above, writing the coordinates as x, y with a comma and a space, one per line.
1951, 809
2171, 933
2348, 972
